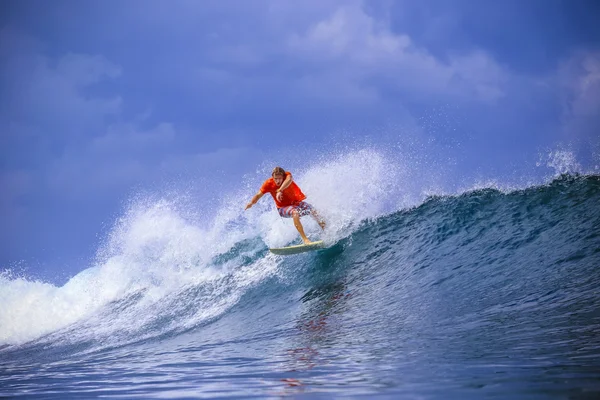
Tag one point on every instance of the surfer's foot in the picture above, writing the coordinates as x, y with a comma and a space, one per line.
306, 241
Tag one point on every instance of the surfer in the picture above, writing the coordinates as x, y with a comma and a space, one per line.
289, 199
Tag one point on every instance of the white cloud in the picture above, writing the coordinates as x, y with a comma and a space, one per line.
128, 155
56, 93
359, 48
125, 155
54, 99
579, 77
52, 93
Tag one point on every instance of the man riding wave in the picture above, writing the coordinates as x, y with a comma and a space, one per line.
288, 198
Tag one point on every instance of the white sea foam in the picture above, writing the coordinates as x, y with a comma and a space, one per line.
151, 250
157, 253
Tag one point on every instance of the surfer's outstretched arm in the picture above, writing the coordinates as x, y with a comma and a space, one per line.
255, 198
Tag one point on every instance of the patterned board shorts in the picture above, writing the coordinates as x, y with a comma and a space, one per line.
303, 208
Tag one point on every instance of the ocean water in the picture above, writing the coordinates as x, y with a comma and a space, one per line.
475, 294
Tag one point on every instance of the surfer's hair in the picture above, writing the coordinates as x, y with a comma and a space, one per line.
278, 171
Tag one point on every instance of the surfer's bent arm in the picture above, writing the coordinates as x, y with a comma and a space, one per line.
255, 198
285, 184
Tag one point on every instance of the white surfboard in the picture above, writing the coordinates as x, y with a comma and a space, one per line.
299, 248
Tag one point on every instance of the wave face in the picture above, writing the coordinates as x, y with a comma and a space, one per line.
481, 293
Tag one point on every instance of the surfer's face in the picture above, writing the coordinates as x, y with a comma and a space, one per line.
278, 178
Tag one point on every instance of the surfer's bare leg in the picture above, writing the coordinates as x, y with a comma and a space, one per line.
299, 226
318, 218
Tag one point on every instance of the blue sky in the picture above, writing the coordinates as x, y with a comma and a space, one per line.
100, 100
